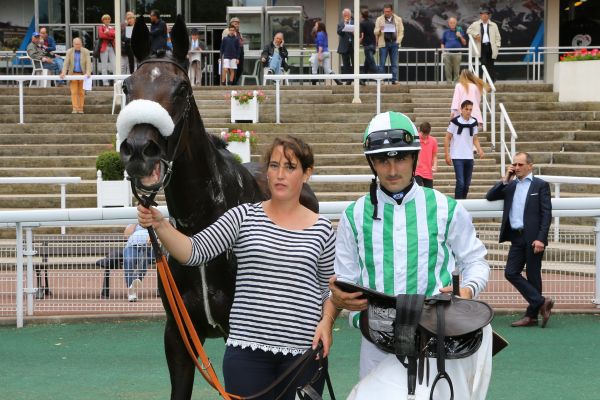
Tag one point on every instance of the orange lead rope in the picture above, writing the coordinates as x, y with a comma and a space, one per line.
182, 318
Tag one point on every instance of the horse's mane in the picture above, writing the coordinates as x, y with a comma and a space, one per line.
217, 141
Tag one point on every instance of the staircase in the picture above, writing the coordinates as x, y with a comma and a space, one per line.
563, 138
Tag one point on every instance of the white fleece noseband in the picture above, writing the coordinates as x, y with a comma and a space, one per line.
143, 112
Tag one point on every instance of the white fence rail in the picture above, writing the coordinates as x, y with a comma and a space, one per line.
50, 180
22, 78
24, 221
322, 77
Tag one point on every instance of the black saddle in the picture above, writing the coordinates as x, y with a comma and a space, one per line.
416, 328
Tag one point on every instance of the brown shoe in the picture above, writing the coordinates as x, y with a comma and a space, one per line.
525, 321
546, 310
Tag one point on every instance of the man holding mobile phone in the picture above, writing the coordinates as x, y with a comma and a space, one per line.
525, 223
452, 41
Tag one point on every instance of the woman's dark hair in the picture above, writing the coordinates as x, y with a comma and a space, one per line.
321, 27
292, 145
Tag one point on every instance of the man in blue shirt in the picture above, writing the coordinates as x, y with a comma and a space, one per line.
525, 222
452, 38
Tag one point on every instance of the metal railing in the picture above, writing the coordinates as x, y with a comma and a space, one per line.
321, 77
20, 277
63, 181
505, 121
22, 78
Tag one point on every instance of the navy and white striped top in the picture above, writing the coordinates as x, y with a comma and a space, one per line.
282, 277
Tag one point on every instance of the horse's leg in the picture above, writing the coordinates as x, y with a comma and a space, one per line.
181, 366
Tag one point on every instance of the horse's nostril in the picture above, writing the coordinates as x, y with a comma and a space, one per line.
151, 150
125, 149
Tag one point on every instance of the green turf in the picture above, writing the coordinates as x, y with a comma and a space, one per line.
124, 360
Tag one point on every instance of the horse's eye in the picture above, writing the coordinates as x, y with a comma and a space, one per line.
183, 89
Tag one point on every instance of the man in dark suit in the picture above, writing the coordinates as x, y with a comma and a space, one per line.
346, 44
525, 222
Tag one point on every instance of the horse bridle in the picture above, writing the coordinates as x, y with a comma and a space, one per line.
179, 125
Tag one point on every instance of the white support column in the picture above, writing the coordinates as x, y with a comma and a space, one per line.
277, 100
19, 290
556, 219
117, 38
356, 62
30, 285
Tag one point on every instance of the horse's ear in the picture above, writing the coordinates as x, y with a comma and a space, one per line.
180, 39
140, 39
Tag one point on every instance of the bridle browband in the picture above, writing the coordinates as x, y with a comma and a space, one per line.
136, 184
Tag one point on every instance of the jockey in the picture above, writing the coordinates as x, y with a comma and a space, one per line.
402, 238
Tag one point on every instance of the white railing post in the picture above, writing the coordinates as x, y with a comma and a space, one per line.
277, 121
378, 98
596, 300
30, 282
556, 219
493, 118
484, 104
502, 146
63, 203
19, 283
21, 117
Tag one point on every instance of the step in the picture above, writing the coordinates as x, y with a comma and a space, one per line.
83, 173
61, 162
32, 139
53, 150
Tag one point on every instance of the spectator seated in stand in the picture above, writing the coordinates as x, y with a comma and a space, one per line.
274, 56
48, 44
36, 52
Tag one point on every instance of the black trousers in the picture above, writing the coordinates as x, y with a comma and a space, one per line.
519, 255
248, 371
347, 65
487, 60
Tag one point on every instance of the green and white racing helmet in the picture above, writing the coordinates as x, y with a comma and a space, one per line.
390, 132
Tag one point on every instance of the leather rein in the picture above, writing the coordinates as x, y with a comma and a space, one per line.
186, 328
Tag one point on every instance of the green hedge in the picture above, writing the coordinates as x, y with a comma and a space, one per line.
110, 164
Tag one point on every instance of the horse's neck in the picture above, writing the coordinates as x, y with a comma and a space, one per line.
195, 195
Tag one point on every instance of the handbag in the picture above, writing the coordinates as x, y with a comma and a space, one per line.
97, 47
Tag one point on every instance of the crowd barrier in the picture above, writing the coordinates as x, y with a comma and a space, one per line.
572, 281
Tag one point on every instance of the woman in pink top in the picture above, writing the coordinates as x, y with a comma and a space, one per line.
469, 87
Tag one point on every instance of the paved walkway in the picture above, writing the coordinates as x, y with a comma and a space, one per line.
125, 360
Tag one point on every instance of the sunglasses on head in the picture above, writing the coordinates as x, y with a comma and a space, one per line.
394, 136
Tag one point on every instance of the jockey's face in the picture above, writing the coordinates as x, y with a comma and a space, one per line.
394, 173
285, 175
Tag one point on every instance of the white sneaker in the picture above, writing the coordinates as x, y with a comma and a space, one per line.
132, 291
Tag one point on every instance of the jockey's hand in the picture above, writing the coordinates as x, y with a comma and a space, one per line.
149, 217
464, 292
349, 301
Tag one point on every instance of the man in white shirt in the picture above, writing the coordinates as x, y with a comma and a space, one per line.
488, 40
458, 146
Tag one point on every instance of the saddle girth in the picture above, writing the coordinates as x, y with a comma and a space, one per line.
461, 126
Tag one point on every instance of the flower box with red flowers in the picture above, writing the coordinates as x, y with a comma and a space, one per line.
240, 142
577, 74
245, 105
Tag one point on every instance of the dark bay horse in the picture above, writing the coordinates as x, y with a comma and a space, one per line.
200, 178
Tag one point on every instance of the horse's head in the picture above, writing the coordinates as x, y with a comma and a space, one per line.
160, 98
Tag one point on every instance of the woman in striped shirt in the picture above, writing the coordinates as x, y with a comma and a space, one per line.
285, 256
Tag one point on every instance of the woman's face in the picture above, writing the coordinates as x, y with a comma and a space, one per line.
285, 176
